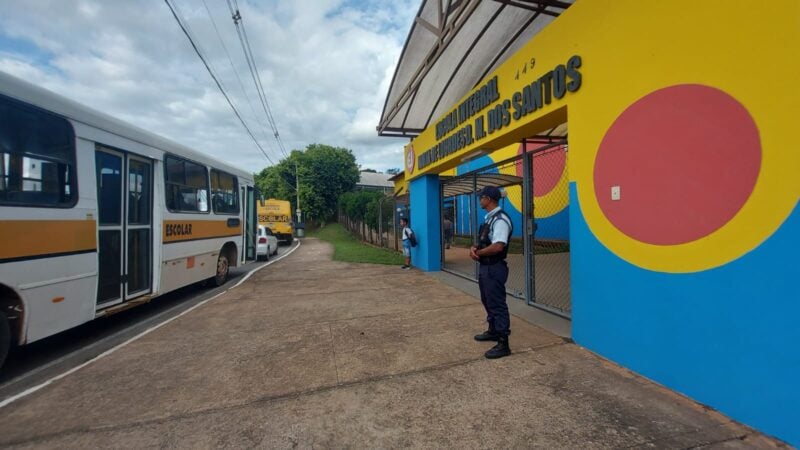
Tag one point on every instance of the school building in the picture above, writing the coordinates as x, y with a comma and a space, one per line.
646, 153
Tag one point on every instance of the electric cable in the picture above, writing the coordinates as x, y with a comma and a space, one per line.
219, 85
233, 69
251, 63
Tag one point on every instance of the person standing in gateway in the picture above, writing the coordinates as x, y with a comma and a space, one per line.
491, 251
447, 226
406, 234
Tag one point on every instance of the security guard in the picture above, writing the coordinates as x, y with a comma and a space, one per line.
491, 252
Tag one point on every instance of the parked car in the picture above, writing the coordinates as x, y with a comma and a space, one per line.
267, 243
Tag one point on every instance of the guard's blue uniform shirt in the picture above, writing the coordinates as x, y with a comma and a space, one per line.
500, 231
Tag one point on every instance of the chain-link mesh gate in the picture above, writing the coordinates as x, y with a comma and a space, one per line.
549, 256
535, 185
458, 227
463, 216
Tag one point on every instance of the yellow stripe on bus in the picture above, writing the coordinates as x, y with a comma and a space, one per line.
26, 238
189, 230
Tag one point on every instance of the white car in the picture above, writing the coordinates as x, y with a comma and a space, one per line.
267, 243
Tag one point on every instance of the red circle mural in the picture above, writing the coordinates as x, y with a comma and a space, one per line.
685, 159
548, 168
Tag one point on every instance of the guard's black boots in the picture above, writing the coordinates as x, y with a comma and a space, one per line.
500, 350
487, 335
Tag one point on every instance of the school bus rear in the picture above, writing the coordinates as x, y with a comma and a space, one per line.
276, 215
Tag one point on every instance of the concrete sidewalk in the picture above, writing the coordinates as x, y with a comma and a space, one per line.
314, 353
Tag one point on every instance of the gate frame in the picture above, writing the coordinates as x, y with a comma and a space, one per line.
528, 222
529, 225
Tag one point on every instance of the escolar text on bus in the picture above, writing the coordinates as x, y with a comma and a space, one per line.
178, 229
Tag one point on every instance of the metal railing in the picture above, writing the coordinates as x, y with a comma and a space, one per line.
385, 234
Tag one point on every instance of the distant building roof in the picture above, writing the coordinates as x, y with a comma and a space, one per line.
375, 180
397, 176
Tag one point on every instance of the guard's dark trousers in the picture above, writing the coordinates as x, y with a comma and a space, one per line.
492, 283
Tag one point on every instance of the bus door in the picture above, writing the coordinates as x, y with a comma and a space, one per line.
125, 217
249, 231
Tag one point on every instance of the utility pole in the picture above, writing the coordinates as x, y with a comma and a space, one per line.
297, 188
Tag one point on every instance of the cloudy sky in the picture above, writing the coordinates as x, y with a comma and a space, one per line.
325, 66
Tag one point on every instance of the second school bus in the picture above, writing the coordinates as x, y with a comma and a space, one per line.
276, 215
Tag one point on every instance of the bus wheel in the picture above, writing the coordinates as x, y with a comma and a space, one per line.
5, 338
222, 270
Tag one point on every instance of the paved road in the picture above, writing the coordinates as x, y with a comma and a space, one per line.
32, 364
327, 354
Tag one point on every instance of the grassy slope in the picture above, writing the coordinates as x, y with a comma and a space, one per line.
348, 249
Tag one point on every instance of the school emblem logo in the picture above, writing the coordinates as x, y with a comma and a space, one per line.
410, 159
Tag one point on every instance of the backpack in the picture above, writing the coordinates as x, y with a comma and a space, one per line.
412, 237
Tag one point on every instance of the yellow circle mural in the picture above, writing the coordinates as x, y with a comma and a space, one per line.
685, 180
550, 180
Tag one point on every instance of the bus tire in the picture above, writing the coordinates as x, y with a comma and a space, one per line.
5, 338
223, 266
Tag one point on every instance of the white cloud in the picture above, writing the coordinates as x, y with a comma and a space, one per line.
325, 66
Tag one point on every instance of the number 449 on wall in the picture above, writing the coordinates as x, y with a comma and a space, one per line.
528, 65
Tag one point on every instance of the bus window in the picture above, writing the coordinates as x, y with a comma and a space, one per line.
186, 185
37, 157
224, 188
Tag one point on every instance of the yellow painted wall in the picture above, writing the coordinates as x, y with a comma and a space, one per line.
630, 48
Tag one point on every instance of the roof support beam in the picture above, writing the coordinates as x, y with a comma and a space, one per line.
543, 139
505, 48
428, 26
401, 132
461, 15
538, 7
455, 70
444, 19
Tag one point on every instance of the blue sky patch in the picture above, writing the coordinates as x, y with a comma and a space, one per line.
25, 48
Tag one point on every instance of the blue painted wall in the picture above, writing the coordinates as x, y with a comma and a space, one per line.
426, 223
727, 337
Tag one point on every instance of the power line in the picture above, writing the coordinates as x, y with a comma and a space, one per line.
233, 68
187, 31
219, 85
251, 63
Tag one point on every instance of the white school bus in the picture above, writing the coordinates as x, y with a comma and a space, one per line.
97, 216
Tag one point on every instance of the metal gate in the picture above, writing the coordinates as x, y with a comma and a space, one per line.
549, 244
535, 190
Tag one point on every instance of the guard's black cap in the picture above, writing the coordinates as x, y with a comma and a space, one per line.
491, 192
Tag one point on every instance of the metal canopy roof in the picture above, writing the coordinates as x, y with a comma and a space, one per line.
463, 184
452, 46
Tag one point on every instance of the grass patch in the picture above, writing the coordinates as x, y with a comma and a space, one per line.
349, 249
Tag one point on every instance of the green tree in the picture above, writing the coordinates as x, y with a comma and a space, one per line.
328, 172
277, 181
324, 173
